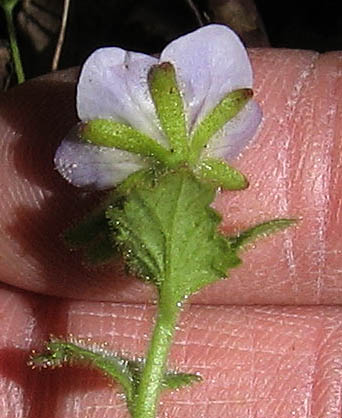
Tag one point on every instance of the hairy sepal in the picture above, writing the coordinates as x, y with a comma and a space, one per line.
229, 107
113, 134
220, 174
169, 105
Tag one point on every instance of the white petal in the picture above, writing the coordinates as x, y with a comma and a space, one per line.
210, 63
94, 167
228, 143
113, 84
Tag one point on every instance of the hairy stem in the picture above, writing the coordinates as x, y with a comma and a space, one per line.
147, 397
8, 9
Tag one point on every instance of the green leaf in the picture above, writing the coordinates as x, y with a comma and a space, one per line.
108, 133
75, 352
101, 250
174, 380
262, 230
170, 108
78, 352
92, 234
87, 229
142, 178
229, 107
220, 174
168, 235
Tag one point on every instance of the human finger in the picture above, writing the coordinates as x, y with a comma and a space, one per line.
292, 167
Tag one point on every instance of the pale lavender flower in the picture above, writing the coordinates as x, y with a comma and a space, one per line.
209, 62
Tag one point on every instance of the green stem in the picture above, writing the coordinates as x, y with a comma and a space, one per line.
146, 402
14, 45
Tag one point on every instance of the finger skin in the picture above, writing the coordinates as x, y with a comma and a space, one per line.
258, 362
293, 167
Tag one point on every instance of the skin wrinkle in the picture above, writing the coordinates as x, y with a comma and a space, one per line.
221, 404
334, 249
303, 81
252, 387
313, 116
271, 289
323, 406
322, 230
273, 139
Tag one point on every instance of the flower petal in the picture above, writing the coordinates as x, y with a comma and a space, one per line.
210, 63
228, 143
113, 84
94, 167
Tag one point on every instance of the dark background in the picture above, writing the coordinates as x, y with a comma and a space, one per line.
303, 24
148, 25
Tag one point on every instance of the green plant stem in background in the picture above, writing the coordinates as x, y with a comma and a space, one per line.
147, 398
8, 7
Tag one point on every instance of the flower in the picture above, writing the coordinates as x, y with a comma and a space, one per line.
115, 85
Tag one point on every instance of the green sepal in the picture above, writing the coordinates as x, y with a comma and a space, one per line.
170, 107
220, 174
168, 235
108, 133
228, 107
262, 230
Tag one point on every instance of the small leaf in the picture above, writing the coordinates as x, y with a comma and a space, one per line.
108, 133
87, 229
83, 353
92, 234
101, 250
59, 352
170, 108
220, 174
262, 230
142, 178
229, 107
173, 380
168, 234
